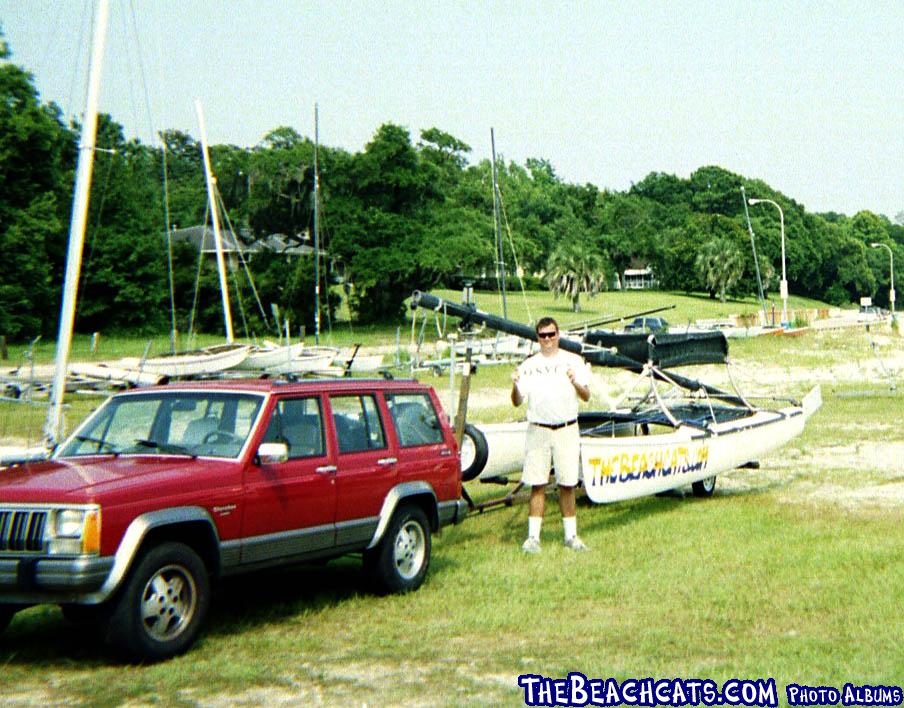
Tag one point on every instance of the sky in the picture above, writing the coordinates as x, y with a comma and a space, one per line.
807, 96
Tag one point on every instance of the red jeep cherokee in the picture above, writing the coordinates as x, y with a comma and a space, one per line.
163, 489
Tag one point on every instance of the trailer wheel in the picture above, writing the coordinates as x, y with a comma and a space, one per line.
705, 487
474, 453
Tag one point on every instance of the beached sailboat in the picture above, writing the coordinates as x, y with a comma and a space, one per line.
307, 360
677, 431
266, 355
199, 362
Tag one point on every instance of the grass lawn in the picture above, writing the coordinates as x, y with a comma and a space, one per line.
792, 571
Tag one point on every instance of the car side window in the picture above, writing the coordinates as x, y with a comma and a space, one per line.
358, 424
298, 422
415, 420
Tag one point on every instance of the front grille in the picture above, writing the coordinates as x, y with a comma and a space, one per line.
22, 531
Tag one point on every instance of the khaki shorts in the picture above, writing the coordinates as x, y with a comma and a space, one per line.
561, 448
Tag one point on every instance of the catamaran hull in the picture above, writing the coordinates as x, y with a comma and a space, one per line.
630, 466
616, 469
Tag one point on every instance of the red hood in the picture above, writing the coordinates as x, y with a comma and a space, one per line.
91, 479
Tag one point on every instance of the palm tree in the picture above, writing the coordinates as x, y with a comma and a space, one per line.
575, 268
720, 264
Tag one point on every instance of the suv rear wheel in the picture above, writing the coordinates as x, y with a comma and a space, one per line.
399, 562
163, 604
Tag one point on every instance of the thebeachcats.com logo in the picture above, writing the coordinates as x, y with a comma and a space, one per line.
578, 690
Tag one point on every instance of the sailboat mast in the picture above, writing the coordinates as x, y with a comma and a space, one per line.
756, 262
316, 227
53, 429
496, 210
215, 215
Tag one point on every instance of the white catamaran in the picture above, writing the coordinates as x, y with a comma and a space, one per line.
678, 431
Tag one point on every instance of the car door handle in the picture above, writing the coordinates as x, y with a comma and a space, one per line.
387, 461
445, 452
326, 469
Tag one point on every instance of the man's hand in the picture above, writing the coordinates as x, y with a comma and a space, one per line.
517, 398
582, 391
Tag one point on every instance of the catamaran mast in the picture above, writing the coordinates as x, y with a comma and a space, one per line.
215, 214
756, 262
496, 210
53, 429
316, 228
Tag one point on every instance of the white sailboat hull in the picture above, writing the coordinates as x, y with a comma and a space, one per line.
260, 358
625, 467
307, 361
361, 363
196, 363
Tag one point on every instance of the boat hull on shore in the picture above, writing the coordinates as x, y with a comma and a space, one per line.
620, 461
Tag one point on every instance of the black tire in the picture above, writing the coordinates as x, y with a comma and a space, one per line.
474, 453
399, 562
6, 615
705, 487
161, 607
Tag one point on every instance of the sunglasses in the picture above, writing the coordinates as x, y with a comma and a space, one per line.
547, 335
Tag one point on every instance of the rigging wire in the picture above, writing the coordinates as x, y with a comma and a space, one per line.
194, 304
235, 284
244, 261
105, 183
169, 249
508, 230
149, 114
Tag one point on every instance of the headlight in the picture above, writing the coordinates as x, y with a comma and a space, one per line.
74, 532
70, 522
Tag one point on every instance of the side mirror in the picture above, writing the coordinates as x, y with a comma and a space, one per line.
270, 453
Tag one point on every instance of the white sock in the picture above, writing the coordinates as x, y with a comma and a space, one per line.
533, 526
570, 524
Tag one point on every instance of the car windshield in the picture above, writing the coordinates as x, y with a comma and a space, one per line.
196, 423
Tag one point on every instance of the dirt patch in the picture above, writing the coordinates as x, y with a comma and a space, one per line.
347, 682
863, 476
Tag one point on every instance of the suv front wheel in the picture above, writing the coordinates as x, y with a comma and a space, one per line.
400, 560
162, 605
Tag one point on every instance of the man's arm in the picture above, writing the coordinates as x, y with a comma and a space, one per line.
517, 398
583, 390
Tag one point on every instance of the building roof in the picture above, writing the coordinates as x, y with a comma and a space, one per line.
202, 238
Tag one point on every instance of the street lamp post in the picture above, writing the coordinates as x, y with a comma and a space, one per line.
891, 282
783, 286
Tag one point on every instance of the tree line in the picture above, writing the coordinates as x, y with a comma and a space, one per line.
398, 215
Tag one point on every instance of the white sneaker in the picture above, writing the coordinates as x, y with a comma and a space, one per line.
531, 545
575, 544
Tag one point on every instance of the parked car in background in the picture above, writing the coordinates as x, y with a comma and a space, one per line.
647, 324
163, 490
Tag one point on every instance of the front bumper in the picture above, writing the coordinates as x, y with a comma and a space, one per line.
34, 580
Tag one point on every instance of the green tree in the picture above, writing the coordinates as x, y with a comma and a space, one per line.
720, 265
37, 154
25, 278
575, 266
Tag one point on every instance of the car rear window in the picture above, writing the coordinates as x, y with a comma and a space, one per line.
415, 419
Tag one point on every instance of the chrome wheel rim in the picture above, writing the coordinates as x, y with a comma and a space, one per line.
168, 603
709, 484
409, 550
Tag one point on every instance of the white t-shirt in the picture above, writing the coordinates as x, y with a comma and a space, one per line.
543, 382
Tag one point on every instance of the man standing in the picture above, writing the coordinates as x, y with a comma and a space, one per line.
551, 382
